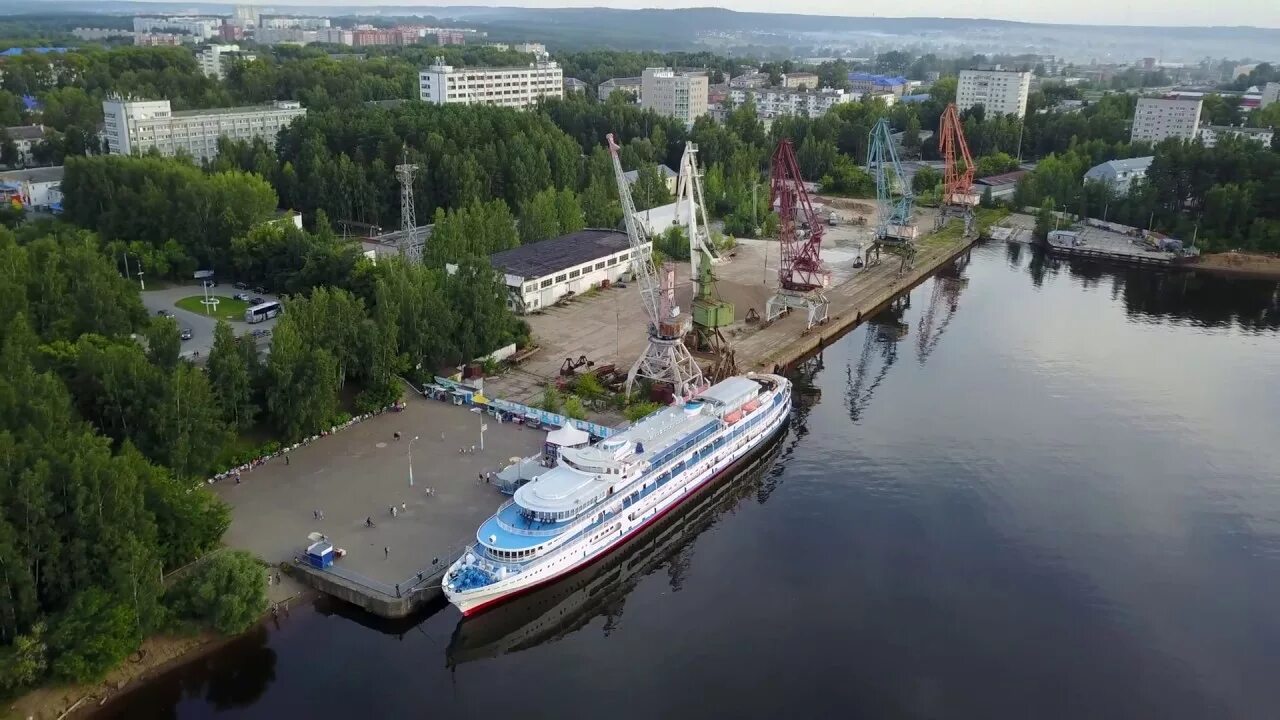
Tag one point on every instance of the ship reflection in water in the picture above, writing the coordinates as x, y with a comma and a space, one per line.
557, 610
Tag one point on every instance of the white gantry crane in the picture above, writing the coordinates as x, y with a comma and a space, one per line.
665, 359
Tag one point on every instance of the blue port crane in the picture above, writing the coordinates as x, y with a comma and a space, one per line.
894, 199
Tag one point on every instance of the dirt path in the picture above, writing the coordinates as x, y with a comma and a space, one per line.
1237, 263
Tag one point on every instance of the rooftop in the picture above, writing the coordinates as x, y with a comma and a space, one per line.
878, 80
40, 174
550, 256
663, 171
623, 81
25, 132
1008, 178
1239, 129
277, 105
1126, 165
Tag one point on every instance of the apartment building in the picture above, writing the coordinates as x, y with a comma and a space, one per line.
136, 126
199, 28
1155, 119
772, 102
1270, 94
681, 95
795, 81
1000, 92
213, 59
1211, 134
517, 87
866, 83
629, 85
25, 138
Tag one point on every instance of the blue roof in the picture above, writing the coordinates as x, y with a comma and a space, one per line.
878, 80
14, 52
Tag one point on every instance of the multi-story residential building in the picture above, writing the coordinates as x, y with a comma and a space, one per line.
86, 33
137, 126
1270, 94
796, 81
574, 85
1210, 134
750, 80
199, 28
506, 86
158, 39
284, 36
1155, 119
862, 82
25, 138
213, 59
680, 95
772, 102
999, 92
246, 16
630, 85
530, 47
286, 22
337, 36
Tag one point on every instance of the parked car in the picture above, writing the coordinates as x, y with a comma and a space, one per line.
256, 301
186, 333
260, 290
242, 297
242, 286
160, 312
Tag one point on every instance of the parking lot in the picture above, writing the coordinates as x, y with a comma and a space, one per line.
202, 325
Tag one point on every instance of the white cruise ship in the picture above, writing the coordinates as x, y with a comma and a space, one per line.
599, 496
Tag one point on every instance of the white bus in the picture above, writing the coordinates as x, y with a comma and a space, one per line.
264, 311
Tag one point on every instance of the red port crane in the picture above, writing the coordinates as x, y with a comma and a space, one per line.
799, 229
957, 179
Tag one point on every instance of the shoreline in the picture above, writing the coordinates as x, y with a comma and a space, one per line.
1267, 270
161, 654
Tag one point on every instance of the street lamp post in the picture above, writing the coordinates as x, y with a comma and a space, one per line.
483, 427
411, 442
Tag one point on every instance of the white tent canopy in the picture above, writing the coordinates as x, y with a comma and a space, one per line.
568, 436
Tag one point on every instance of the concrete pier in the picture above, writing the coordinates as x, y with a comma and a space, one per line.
360, 473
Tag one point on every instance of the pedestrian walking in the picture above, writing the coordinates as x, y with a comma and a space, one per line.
315, 514
479, 477
386, 553
321, 514
442, 437
286, 460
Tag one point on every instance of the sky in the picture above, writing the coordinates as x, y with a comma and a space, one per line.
1258, 13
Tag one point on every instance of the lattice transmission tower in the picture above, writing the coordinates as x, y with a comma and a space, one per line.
409, 246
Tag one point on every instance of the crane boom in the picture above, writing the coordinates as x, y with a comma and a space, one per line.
893, 204
641, 261
799, 229
665, 359
958, 171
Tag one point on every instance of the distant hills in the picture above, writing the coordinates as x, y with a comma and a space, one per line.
689, 28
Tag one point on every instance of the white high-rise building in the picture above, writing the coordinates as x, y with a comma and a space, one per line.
679, 95
136, 126
1158, 118
517, 87
1270, 93
198, 28
213, 59
1001, 92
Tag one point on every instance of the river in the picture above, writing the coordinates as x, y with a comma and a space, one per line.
1037, 489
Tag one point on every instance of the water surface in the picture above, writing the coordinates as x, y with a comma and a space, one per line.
1033, 489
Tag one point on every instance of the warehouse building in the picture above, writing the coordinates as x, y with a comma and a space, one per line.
541, 274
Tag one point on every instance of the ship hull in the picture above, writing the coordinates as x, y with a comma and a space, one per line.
477, 602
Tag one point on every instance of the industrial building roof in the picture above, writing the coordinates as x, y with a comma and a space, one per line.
1008, 178
544, 258
1122, 166
663, 171
25, 132
35, 175
878, 80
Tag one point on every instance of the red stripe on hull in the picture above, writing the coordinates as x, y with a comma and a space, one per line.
556, 578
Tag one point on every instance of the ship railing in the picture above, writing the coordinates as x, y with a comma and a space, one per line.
516, 530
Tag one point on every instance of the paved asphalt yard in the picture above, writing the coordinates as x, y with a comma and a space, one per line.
362, 471
201, 325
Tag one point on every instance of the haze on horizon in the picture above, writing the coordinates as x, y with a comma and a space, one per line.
1256, 13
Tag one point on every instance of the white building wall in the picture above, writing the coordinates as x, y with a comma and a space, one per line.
1156, 119
1270, 93
530, 294
134, 127
771, 102
682, 96
1001, 92
1209, 135
212, 60
517, 87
